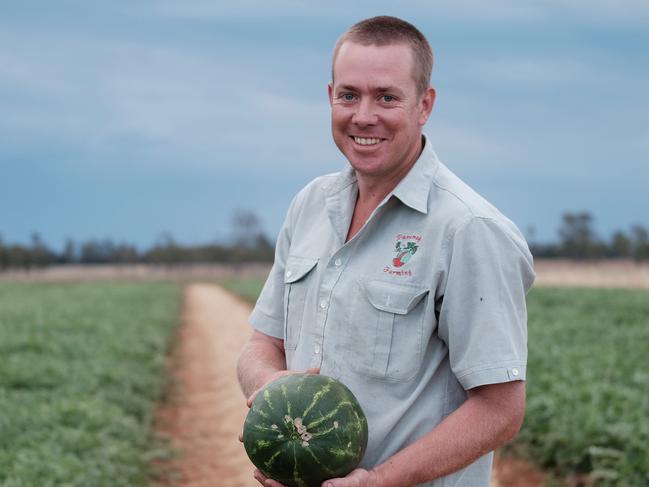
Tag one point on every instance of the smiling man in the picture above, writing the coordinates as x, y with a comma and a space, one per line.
396, 278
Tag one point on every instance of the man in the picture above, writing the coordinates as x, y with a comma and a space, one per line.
399, 280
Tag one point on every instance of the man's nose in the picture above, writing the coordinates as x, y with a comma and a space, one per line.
365, 113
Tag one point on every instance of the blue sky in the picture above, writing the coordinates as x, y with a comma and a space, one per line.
127, 119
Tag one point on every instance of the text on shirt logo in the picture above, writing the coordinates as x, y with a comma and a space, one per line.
405, 247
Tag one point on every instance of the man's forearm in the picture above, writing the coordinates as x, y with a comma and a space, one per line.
480, 425
259, 360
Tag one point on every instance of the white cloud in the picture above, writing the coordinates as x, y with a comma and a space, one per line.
178, 106
530, 71
603, 11
478, 11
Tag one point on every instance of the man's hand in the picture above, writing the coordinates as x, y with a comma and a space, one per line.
357, 478
265, 481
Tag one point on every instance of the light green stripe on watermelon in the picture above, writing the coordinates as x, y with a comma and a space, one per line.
288, 403
296, 476
267, 399
332, 414
269, 463
261, 427
317, 460
339, 452
318, 395
261, 412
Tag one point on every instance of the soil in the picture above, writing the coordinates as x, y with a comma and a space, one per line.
206, 409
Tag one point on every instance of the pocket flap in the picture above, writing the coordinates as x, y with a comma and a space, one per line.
297, 268
393, 298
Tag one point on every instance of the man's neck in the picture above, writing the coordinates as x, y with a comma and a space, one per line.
373, 189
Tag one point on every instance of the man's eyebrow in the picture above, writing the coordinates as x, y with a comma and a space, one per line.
379, 89
346, 88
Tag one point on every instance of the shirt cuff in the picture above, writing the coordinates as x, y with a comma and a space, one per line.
266, 324
491, 374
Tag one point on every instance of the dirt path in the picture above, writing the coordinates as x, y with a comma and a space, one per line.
206, 410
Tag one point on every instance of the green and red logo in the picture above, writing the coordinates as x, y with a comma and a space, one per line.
404, 253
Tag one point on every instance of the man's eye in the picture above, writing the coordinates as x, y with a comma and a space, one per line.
348, 97
387, 98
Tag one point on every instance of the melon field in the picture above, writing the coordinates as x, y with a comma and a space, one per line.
81, 367
588, 384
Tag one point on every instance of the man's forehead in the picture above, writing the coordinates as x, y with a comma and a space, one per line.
382, 67
351, 45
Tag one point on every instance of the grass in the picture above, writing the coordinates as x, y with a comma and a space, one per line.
248, 289
588, 383
81, 368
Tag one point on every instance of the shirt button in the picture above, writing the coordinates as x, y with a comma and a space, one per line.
514, 371
338, 262
323, 304
316, 350
288, 273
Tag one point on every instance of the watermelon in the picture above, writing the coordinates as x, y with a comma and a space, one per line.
303, 429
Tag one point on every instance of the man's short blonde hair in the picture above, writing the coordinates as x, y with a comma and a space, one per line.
384, 31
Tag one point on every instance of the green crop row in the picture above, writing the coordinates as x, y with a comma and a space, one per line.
81, 367
248, 289
588, 384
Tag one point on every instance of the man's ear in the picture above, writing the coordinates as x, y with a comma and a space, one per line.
427, 102
330, 91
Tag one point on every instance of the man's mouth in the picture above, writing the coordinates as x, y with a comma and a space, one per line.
366, 140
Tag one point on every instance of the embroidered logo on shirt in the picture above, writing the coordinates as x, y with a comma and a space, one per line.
405, 247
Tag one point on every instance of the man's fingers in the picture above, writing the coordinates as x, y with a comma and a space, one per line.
252, 398
265, 481
314, 370
259, 477
241, 435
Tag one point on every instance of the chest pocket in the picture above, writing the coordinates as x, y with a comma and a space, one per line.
296, 286
387, 329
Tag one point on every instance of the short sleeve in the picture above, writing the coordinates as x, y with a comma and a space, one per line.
483, 314
268, 313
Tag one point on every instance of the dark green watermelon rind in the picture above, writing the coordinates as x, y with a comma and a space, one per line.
285, 458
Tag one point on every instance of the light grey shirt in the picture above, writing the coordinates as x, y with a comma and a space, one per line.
426, 301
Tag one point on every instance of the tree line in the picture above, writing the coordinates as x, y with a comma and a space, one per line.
577, 240
248, 243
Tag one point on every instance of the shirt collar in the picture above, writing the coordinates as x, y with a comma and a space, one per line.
412, 190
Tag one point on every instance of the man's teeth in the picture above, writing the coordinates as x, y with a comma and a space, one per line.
366, 141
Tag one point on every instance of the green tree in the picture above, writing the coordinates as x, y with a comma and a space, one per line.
69, 254
3, 255
640, 238
578, 239
621, 245
41, 255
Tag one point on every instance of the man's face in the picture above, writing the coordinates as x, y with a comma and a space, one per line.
376, 113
